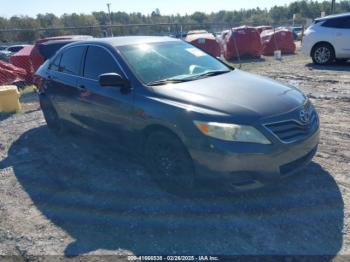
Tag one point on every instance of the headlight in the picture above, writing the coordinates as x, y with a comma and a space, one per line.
232, 132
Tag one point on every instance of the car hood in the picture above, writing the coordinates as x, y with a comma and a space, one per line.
237, 93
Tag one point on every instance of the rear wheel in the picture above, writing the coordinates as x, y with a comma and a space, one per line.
50, 114
323, 54
169, 162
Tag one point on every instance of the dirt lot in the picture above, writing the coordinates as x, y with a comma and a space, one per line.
67, 196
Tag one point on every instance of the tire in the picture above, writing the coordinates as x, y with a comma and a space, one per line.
323, 54
169, 163
50, 115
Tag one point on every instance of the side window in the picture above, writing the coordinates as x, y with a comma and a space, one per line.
341, 22
15, 49
55, 65
71, 60
98, 61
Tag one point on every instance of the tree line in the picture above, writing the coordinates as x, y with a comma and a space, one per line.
27, 29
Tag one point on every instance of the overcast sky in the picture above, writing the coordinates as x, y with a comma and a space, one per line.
59, 7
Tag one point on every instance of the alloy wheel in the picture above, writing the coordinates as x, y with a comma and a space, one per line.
322, 55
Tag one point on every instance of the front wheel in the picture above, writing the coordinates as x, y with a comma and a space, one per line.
169, 162
323, 54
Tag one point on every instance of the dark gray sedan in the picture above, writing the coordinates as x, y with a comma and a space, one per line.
189, 114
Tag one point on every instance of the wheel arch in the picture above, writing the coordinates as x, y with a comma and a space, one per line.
147, 131
158, 127
320, 43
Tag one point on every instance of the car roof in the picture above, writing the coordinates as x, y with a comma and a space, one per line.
17, 46
333, 16
127, 40
62, 37
54, 42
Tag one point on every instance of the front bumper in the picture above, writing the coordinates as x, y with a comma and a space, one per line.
306, 47
248, 166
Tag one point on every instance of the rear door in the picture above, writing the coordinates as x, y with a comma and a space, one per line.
64, 73
110, 109
339, 31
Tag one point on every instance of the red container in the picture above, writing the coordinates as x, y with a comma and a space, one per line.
262, 28
246, 40
205, 42
278, 39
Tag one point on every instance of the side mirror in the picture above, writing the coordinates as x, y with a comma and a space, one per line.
112, 79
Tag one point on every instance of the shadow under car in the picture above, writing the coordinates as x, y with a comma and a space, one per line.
105, 200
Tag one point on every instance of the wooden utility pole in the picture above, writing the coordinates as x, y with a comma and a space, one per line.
333, 7
110, 18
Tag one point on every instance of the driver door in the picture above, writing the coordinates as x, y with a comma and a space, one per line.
109, 112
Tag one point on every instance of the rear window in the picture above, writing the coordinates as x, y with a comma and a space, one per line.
340, 22
15, 48
71, 60
55, 63
49, 50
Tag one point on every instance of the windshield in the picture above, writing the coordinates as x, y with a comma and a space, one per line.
170, 61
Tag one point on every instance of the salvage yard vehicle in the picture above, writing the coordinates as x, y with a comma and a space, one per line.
46, 47
189, 114
10, 50
327, 39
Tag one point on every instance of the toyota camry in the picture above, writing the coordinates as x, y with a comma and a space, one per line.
192, 116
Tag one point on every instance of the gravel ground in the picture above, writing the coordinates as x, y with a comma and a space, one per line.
68, 196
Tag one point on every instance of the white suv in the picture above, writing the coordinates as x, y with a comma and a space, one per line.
328, 39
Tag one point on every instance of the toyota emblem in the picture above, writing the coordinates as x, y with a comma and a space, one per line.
304, 116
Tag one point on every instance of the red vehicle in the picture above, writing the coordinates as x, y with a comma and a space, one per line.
10, 74
23, 60
38, 58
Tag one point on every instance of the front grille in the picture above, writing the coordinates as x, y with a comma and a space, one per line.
291, 130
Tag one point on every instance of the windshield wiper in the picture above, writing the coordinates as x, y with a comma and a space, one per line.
187, 79
209, 73
167, 81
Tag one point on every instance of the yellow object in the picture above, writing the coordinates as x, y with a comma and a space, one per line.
9, 99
